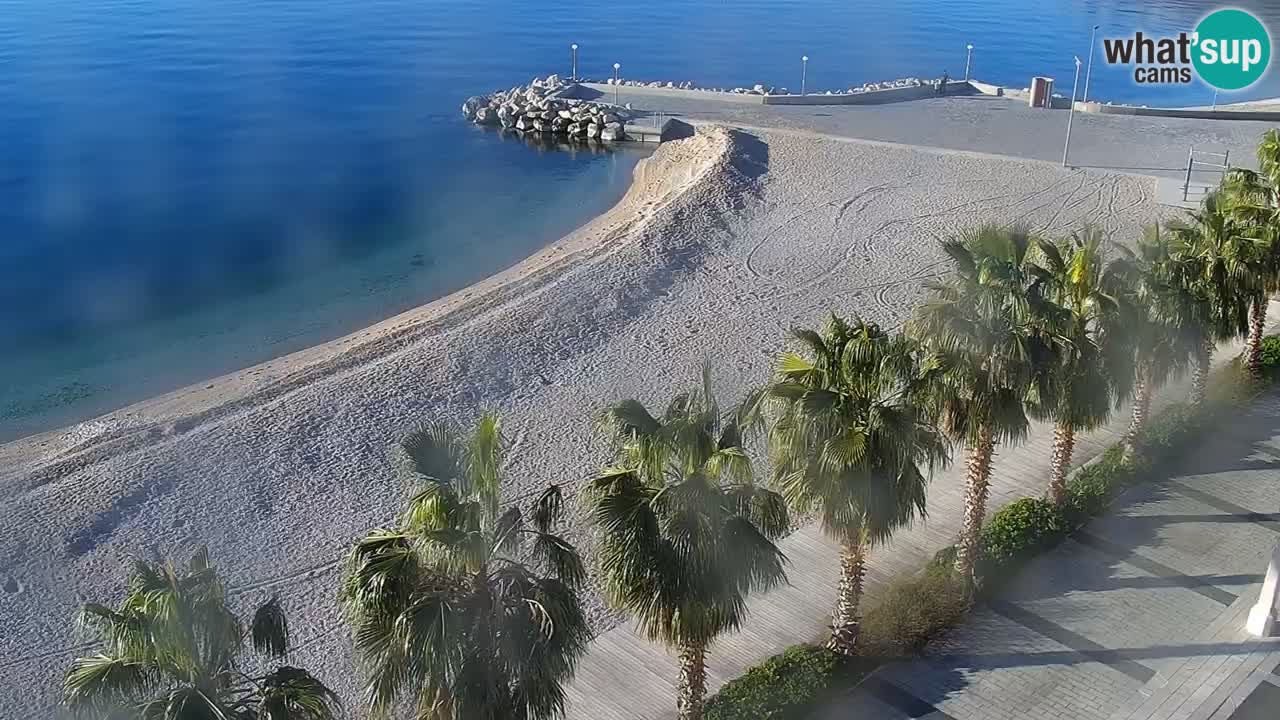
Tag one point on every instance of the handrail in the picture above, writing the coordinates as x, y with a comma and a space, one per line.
1192, 162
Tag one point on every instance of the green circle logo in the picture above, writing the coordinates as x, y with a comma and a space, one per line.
1232, 49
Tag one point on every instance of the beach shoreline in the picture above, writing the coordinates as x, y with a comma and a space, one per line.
724, 242
45, 455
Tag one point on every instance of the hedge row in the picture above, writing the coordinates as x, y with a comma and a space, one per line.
915, 610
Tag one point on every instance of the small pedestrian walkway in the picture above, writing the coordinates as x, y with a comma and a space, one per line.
1138, 616
624, 676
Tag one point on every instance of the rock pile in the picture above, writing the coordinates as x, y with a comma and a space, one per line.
541, 107
889, 85
762, 89
686, 85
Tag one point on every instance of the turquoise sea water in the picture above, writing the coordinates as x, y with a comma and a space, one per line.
190, 187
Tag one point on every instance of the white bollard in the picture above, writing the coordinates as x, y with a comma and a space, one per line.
1262, 618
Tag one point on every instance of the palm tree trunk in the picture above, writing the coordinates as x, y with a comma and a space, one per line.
844, 622
1253, 344
1200, 376
1064, 444
1141, 404
977, 486
693, 681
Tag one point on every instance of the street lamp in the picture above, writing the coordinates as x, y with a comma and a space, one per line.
574, 47
968, 61
616, 66
1071, 114
804, 71
1093, 37
1215, 99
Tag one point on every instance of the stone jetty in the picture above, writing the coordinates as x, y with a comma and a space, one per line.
542, 106
763, 89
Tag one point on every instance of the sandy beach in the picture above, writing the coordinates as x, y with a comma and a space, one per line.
724, 241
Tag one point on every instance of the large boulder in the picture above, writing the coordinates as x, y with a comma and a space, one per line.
486, 116
593, 130
566, 114
609, 118
553, 81
612, 131
523, 123
471, 105
548, 114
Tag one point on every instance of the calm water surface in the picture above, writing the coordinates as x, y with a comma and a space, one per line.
189, 187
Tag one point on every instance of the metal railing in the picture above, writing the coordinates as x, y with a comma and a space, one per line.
1194, 165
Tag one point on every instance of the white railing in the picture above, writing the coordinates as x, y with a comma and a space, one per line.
1194, 165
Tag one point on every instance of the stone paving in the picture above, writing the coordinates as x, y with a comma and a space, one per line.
1140, 616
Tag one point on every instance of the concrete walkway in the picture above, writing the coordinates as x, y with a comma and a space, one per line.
1139, 616
993, 125
625, 677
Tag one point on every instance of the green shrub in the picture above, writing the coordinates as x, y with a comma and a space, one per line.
1092, 488
784, 686
943, 561
1016, 532
1271, 354
1166, 433
912, 612
1088, 493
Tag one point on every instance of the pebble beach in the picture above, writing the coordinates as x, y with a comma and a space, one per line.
725, 240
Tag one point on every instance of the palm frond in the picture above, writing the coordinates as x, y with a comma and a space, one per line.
270, 629
99, 682
290, 693
429, 453
484, 457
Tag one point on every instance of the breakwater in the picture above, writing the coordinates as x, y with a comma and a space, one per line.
545, 106
763, 89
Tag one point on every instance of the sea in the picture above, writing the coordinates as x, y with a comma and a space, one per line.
190, 187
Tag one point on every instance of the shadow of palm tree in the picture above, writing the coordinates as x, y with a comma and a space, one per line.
1140, 563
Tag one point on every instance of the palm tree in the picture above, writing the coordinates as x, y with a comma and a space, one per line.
462, 610
1252, 203
1258, 226
685, 536
850, 443
1216, 259
994, 359
1162, 314
172, 649
1095, 365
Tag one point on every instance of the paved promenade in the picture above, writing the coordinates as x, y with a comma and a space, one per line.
993, 125
625, 677
1139, 616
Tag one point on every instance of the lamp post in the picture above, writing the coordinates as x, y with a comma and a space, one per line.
1093, 37
968, 61
1215, 99
574, 48
616, 66
804, 71
1071, 114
